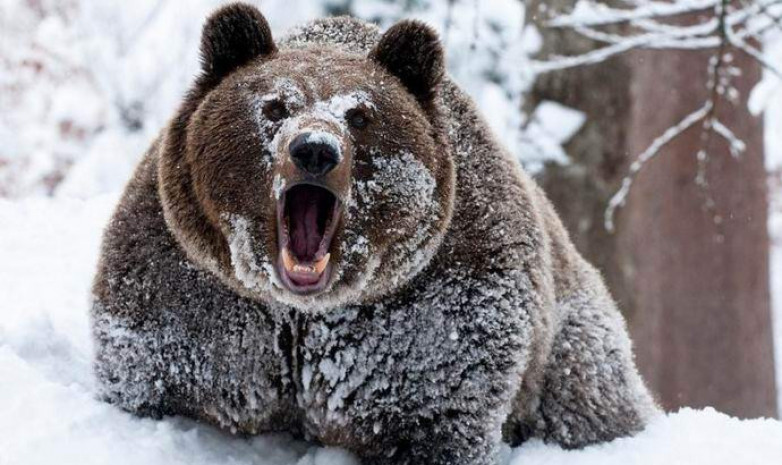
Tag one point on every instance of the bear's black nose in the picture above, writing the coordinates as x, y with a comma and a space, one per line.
315, 153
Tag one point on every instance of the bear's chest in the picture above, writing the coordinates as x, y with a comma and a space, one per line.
349, 374
363, 370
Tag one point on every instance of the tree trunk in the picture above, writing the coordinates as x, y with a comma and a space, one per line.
692, 281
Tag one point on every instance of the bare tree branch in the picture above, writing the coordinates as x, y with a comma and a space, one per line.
654, 148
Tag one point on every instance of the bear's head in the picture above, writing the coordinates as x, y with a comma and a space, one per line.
309, 175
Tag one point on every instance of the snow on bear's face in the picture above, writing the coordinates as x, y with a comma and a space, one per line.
324, 174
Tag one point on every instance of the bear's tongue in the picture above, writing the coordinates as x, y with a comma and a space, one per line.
308, 210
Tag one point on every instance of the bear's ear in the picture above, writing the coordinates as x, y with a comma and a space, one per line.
232, 36
412, 52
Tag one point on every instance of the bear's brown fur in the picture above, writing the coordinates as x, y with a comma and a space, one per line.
453, 306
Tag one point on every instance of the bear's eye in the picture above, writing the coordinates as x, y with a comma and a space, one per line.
275, 110
357, 119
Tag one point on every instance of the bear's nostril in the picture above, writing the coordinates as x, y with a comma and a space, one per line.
314, 153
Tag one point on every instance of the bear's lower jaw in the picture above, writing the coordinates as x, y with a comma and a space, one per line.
304, 282
307, 217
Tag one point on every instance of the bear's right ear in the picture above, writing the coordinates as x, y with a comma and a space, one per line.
412, 52
232, 36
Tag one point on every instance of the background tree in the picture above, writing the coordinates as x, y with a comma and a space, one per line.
688, 258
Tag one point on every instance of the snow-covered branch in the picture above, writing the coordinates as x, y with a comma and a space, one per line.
654, 148
737, 146
736, 41
649, 32
589, 13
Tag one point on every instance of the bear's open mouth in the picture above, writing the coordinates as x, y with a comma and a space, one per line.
307, 217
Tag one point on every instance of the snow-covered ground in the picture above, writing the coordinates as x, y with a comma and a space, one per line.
49, 413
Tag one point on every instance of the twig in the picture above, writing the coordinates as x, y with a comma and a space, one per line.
654, 148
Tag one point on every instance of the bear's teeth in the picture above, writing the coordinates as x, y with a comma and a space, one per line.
287, 260
290, 263
320, 265
303, 269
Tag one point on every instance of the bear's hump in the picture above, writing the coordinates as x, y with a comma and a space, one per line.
347, 33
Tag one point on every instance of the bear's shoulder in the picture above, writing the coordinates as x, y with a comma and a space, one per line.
139, 254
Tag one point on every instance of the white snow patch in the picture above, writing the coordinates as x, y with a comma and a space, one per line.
326, 138
335, 108
287, 91
341, 104
359, 247
278, 185
401, 177
561, 122
248, 269
550, 127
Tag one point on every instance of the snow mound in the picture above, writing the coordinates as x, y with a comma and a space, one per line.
690, 437
48, 252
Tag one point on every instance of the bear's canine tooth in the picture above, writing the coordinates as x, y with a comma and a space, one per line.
320, 265
287, 260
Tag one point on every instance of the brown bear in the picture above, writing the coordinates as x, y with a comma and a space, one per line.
327, 240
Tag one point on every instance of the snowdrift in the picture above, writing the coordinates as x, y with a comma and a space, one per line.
48, 412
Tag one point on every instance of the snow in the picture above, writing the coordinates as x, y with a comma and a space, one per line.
400, 176
688, 437
245, 261
278, 186
550, 126
51, 415
328, 139
335, 108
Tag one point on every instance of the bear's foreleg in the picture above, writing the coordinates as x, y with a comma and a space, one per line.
458, 441
592, 391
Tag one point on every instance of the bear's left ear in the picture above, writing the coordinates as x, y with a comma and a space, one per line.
232, 36
411, 51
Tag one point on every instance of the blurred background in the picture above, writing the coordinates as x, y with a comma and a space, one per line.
654, 126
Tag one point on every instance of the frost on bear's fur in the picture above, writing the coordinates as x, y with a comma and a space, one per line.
459, 313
